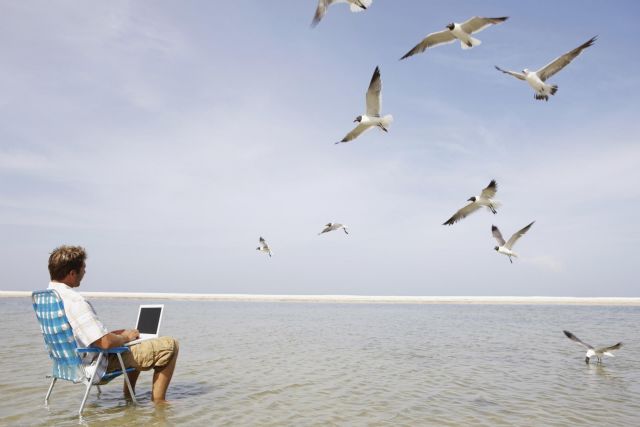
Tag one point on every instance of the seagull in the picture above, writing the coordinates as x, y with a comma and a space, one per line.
334, 226
593, 352
505, 248
372, 117
537, 79
356, 6
264, 247
455, 31
484, 199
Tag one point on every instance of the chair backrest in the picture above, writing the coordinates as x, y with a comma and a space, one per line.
58, 335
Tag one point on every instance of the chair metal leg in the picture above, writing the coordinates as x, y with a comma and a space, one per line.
126, 379
46, 398
86, 393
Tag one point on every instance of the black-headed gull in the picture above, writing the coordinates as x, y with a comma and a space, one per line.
334, 226
484, 199
537, 79
455, 31
593, 352
264, 247
355, 5
372, 116
505, 248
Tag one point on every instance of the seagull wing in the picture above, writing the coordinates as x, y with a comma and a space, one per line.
374, 97
463, 212
263, 245
320, 11
477, 23
326, 229
490, 191
576, 339
612, 348
562, 61
512, 241
498, 236
355, 132
512, 73
433, 39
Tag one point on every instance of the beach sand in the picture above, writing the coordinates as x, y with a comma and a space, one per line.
354, 299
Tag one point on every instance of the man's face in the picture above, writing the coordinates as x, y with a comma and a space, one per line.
76, 276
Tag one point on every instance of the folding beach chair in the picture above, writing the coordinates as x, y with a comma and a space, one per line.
63, 348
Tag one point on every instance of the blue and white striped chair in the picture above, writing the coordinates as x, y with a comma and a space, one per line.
63, 348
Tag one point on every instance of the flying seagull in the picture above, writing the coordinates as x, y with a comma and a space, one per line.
355, 5
537, 79
372, 117
593, 352
484, 199
334, 226
455, 31
264, 247
505, 248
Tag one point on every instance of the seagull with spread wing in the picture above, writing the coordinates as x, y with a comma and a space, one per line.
355, 5
372, 116
455, 31
484, 199
593, 352
264, 247
537, 79
505, 248
334, 226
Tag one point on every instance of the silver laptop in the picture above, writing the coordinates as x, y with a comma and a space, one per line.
148, 323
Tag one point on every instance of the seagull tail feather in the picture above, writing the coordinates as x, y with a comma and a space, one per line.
386, 120
474, 42
360, 5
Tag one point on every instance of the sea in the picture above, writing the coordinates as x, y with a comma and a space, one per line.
248, 363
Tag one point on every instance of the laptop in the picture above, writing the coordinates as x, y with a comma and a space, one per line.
148, 323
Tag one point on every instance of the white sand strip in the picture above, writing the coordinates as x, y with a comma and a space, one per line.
363, 299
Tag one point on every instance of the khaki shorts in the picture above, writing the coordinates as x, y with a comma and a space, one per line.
154, 353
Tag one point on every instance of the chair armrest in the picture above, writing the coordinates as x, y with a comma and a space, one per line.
113, 350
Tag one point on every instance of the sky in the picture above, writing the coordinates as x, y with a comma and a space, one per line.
166, 137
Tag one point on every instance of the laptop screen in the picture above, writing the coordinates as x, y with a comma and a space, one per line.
149, 320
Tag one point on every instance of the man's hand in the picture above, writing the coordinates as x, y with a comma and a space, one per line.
117, 338
131, 334
127, 333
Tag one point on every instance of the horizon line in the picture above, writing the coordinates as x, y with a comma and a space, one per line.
363, 299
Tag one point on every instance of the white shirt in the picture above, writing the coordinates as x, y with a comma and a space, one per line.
87, 328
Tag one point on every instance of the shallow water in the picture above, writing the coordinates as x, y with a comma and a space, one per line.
247, 363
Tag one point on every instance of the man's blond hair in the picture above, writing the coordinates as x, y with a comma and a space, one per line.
65, 259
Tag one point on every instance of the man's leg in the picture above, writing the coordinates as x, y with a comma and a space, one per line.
133, 378
129, 362
162, 378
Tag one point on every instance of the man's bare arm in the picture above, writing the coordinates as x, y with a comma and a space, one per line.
115, 339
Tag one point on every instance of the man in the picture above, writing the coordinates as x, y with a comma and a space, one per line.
67, 268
